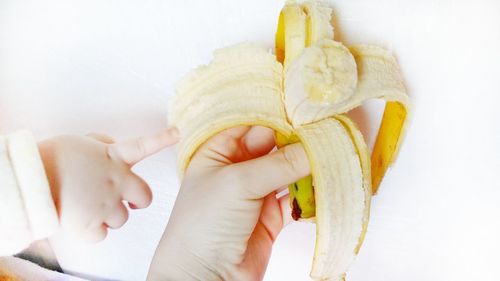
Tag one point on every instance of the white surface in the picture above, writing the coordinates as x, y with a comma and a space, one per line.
110, 66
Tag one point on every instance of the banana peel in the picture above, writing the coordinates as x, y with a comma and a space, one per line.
303, 94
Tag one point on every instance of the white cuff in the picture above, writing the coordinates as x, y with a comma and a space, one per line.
33, 184
14, 225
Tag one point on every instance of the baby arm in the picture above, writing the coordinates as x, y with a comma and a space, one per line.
74, 182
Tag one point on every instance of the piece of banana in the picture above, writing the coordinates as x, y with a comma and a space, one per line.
301, 25
241, 86
340, 193
304, 100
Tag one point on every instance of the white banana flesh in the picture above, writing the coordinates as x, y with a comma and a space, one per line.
241, 86
340, 196
324, 74
364, 158
295, 16
304, 103
304, 99
306, 23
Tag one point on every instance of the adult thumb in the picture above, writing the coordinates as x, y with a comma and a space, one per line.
265, 174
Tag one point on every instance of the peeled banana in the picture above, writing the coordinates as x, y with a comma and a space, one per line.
303, 94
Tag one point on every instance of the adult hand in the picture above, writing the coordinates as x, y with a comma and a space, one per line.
227, 214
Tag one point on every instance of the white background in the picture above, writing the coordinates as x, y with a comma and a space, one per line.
110, 66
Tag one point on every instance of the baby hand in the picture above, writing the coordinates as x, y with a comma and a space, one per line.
91, 176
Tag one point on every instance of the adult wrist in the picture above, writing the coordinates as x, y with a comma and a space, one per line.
173, 262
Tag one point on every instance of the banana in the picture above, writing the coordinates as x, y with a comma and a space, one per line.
323, 77
328, 79
303, 202
241, 86
301, 25
340, 196
303, 94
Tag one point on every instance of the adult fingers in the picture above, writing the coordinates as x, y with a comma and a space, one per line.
276, 213
101, 137
270, 215
258, 141
265, 174
222, 149
221, 139
136, 192
117, 217
134, 150
286, 209
236, 132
